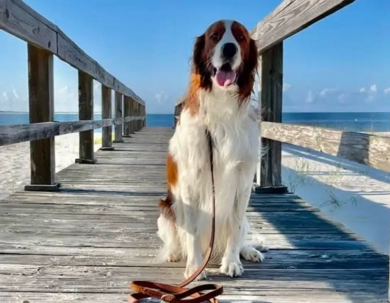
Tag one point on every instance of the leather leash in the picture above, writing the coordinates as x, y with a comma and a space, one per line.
179, 293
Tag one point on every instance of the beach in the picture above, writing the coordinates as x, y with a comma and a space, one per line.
349, 193
15, 159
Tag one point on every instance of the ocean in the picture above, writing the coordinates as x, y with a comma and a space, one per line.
357, 121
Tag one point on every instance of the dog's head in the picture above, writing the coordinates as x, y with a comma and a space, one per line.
225, 57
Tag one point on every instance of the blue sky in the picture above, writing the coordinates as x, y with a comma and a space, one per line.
338, 64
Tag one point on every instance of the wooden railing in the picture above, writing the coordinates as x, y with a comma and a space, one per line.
44, 40
288, 18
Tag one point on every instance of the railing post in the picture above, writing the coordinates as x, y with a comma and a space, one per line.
106, 114
41, 109
176, 115
271, 83
127, 112
135, 111
133, 123
143, 113
86, 138
118, 114
139, 114
138, 122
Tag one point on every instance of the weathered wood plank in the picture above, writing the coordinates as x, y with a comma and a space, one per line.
310, 296
371, 150
271, 93
41, 109
118, 114
143, 257
127, 112
10, 134
143, 114
86, 138
290, 17
112, 279
98, 233
21, 20
132, 113
106, 114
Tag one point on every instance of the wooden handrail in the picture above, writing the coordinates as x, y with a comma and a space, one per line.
45, 40
363, 148
19, 19
290, 17
11, 134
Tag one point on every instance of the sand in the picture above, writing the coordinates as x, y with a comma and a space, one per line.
15, 161
349, 193
354, 195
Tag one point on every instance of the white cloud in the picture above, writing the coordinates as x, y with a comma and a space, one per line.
370, 93
387, 90
5, 96
309, 97
65, 94
161, 97
342, 97
65, 99
15, 93
286, 87
327, 91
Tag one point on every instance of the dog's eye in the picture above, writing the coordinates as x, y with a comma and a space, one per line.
240, 38
215, 36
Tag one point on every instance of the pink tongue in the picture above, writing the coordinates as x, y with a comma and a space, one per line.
225, 78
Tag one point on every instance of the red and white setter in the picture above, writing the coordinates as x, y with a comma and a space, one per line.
218, 99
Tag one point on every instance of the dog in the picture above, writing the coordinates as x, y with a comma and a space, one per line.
218, 99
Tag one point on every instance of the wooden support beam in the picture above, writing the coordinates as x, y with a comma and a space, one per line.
139, 126
135, 106
271, 82
118, 114
177, 112
86, 138
106, 114
41, 104
258, 169
127, 112
144, 115
139, 115
132, 113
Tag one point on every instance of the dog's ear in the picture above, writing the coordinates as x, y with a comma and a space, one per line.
247, 76
197, 58
253, 57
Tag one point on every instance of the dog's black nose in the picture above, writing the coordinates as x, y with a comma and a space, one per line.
229, 50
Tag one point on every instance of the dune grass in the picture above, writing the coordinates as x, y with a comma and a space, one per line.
98, 140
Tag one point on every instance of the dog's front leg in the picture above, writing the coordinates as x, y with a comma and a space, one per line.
194, 248
231, 264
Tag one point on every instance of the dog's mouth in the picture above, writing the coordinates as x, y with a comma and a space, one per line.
224, 75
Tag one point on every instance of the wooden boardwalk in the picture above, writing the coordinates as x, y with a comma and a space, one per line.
88, 241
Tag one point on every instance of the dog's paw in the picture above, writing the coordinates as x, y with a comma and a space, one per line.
190, 269
173, 257
251, 254
231, 267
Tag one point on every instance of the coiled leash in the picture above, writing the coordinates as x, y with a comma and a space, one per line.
179, 293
